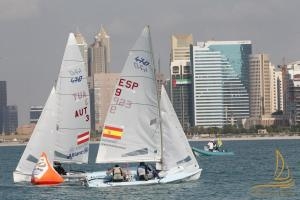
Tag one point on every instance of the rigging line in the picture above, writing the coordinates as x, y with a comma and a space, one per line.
139, 77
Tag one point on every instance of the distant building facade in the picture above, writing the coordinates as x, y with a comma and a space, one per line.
104, 85
237, 54
99, 53
11, 119
293, 93
3, 104
266, 86
35, 113
83, 46
181, 79
261, 76
220, 97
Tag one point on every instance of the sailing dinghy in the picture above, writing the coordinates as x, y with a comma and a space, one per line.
63, 129
139, 128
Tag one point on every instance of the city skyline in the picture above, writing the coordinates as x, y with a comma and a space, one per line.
33, 34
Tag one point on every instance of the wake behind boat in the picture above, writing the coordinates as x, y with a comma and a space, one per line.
63, 129
139, 128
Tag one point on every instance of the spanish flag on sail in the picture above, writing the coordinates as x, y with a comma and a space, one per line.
112, 132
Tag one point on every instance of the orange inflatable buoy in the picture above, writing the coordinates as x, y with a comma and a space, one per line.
44, 173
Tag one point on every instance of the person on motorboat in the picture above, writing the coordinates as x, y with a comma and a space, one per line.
60, 170
210, 145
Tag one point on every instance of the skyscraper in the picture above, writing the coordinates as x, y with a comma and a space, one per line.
292, 102
81, 42
237, 54
34, 113
220, 97
11, 119
261, 79
3, 104
181, 78
104, 85
100, 53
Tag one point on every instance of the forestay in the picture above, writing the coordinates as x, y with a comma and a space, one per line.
73, 117
128, 135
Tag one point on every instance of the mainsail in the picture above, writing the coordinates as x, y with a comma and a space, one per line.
128, 135
176, 151
73, 117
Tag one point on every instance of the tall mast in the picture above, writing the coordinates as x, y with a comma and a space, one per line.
158, 100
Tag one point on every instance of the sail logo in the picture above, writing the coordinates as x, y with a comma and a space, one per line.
140, 63
83, 138
82, 112
76, 79
75, 72
112, 132
79, 95
141, 60
78, 153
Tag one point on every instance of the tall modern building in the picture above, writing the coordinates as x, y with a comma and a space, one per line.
262, 87
11, 119
293, 92
83, 46
3, 104
181, 79
104, 85
99, 53
35, 113
237, 54
278, 97
220, 97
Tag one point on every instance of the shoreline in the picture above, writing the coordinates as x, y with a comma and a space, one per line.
198, 139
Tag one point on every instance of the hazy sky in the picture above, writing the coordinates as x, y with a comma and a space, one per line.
33, 34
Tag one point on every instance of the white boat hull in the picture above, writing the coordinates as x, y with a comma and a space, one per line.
101, 179
70, 177
20, 177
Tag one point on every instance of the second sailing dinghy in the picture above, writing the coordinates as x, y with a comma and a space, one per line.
139, 129
63, 129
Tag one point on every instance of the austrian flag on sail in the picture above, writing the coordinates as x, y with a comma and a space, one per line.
112, 132
82, 138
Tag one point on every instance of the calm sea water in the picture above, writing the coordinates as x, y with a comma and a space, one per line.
227, 177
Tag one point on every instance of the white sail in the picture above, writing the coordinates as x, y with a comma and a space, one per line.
41, 140
131, 131
63, 130
73, 117
176, 148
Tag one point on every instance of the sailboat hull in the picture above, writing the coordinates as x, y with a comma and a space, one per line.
212, 153
101, 179
20, 177
68, 178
